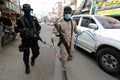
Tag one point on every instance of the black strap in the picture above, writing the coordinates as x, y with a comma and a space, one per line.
33, 24
71, 33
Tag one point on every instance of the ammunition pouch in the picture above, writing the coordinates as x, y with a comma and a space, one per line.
22, 48
26, 34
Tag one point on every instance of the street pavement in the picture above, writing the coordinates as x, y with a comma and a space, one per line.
47, 67
85, 67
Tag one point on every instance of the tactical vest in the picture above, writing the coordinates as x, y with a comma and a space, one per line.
25, 23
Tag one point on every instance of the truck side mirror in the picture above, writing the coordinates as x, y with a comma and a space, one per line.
93, 26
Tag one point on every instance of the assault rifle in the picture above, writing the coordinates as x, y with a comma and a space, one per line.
63, 40
31, 34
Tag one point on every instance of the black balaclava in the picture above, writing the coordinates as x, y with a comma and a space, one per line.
67, 10
27, 13
27, 9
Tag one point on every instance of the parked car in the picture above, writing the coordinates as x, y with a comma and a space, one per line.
100, 35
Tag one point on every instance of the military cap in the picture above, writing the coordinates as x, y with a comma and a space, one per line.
26, 7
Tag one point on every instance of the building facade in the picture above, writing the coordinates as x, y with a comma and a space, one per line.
108, 8
9, 7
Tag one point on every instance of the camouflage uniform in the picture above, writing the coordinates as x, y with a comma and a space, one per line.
65, 28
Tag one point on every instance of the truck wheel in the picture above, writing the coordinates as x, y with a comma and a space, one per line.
109, 60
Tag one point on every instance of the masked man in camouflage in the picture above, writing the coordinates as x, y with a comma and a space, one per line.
65, 27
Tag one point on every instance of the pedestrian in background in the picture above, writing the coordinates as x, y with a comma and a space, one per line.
65, 28
29, 29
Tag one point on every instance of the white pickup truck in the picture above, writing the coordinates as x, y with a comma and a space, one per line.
100, 35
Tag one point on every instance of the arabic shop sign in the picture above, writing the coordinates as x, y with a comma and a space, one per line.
110, 12
111, 4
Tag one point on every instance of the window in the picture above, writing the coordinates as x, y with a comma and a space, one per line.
76, 19
109, 22
86, 21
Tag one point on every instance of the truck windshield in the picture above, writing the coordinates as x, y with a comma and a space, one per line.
108, 22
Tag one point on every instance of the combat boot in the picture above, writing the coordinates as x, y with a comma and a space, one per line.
32, 62
63, 66
27, 70
70, 57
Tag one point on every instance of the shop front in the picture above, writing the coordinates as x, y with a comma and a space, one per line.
108, 8
8, 10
